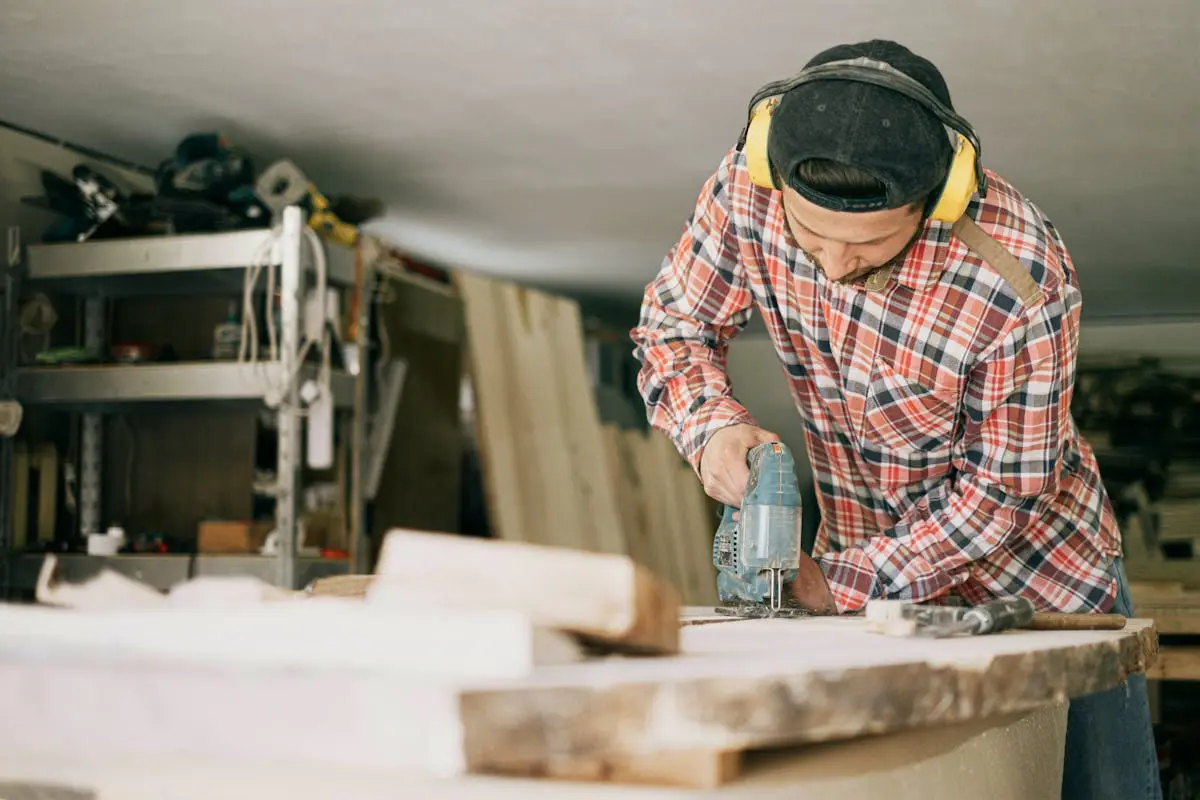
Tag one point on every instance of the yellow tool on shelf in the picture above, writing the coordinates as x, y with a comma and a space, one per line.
283, 184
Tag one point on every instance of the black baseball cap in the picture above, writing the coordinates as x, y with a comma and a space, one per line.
873, 128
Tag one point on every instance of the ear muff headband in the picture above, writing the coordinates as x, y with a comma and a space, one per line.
963, 179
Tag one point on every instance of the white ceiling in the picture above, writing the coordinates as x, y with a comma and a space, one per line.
563, 142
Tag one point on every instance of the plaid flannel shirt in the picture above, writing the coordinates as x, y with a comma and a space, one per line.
935, 409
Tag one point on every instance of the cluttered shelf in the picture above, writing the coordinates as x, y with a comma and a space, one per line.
117, 266
80, 384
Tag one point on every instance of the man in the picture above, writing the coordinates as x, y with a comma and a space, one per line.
932, 371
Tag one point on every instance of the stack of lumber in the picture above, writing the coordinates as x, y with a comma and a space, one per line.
1175, 609
553, 475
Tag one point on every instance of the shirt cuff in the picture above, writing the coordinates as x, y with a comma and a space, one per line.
699, 427
851, 578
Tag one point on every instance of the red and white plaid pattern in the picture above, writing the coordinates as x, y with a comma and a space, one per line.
936, 409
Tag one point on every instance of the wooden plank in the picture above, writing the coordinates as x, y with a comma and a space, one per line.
1158, 592
584, 439
663, 460
340, 586
1184, 571
656, 491
1172, 620
604, 598
1178, 520
700, 525
629, 497
1174, 608
548, 489
501, 426
1176, 663
540, 440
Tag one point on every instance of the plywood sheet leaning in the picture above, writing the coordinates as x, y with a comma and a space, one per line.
622, 453
669, 520
545, 473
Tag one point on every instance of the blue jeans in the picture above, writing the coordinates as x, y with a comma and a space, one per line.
1110, 741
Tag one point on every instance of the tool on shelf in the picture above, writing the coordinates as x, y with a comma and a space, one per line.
903, 618
283, 184
756, 548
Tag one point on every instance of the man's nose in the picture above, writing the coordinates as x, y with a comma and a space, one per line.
838, 260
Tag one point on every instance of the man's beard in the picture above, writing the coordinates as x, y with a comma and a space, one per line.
862, 272
850, 278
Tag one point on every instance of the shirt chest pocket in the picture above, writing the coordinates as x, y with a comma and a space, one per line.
905, 417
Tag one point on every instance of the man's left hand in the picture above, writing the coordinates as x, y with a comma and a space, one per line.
810, 589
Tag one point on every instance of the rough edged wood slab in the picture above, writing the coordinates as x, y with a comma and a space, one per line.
760, 683
741, 685
607, 600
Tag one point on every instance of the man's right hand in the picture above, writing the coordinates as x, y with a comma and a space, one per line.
723, 468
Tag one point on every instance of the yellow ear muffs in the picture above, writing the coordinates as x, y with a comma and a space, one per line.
755, 147
964, 178
961, 183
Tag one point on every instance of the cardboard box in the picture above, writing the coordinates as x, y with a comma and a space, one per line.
232, 536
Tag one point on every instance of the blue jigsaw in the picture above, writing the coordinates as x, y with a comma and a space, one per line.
756, 548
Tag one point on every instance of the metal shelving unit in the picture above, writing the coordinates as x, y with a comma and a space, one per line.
149, 383
103, 270
9, 287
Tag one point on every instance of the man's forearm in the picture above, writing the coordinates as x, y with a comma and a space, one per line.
686, 391
931, 551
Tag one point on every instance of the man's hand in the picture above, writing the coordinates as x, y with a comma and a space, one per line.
810, 589
723, 468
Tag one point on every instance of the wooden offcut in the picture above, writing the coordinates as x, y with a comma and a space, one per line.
604, 599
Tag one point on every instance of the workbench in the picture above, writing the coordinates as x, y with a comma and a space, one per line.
815, 707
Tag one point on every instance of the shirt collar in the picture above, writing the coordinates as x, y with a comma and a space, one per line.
920, 267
